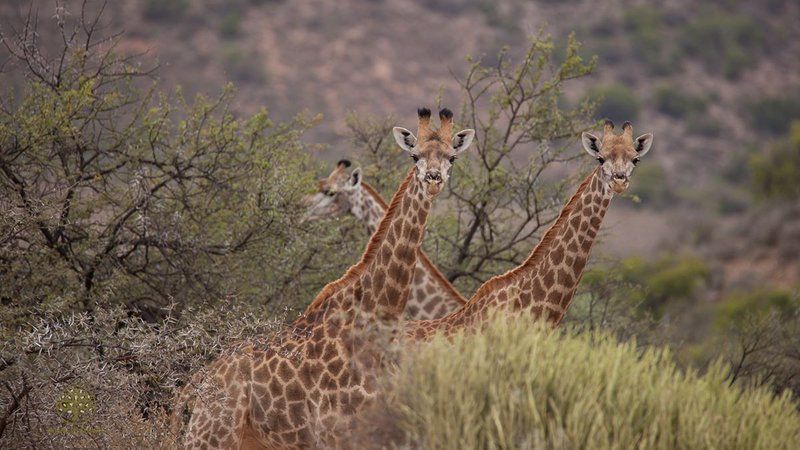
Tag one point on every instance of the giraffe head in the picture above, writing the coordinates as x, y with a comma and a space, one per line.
617, 154
433, 151
335, 194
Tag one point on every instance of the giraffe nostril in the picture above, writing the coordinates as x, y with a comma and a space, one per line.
433, 176
620, 176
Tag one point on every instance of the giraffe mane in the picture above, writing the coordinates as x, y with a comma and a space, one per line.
550, 236
372, 247
375, 195
434, 271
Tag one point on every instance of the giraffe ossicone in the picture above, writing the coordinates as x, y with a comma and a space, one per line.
305, 388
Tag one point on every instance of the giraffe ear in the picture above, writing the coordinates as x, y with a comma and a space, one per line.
591, 144
643, 144
462, 140
405, 139
355, 178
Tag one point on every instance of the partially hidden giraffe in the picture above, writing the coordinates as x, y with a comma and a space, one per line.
431, 296
545, 283
304, 388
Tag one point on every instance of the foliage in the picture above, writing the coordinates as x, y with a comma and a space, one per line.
608, 301
165, 9
127, 367
738, 308
651, 285
763, 340
652, 186
615, 101
110, 189
244, 65
673, 101
775, 174
522, 385
497, 196
704, 125
231, 24
773, 114
668, 279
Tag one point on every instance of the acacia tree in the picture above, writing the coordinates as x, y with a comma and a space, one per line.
112, 194
499, 199
107, 190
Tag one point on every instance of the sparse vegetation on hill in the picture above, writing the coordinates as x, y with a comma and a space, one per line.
144, 228
776, 171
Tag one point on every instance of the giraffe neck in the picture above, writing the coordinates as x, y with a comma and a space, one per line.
387, 278
545, 283
368, 207
379, 284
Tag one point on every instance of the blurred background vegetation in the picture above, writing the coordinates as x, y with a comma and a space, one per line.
143, 195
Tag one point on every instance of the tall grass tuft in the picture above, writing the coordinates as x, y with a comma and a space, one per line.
521, 385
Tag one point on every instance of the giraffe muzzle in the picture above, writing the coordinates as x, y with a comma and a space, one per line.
619, 182
433, 176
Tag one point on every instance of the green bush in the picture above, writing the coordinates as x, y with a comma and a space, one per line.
244, 66
775, 174
652, 187
672, 101
522, 385
735, 309
703, 125
615, 101
773, 114
231, 24
665, 281
165, 9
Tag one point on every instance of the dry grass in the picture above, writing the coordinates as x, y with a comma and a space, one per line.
519, 385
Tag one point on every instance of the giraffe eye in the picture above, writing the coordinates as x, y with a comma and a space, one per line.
329, 193
635, 161
600, 159
452, 159
415, 158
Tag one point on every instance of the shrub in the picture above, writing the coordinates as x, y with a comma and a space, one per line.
703, 125
243, 66
775, 174
522, 385
231, 24
672, 101
740, 307
773, 114
652, 187
665, 281
674, 279
165, 9
615, 101
115, 191
128, 370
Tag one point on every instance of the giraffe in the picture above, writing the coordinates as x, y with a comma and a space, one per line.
304, 388
544, 284
431, 296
